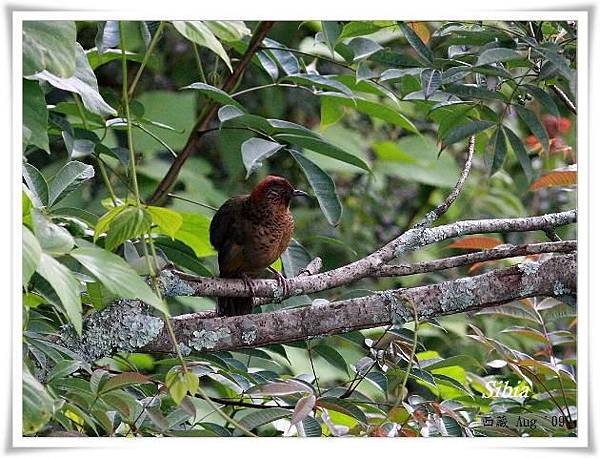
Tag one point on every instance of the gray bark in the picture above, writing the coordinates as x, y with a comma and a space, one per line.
120, 328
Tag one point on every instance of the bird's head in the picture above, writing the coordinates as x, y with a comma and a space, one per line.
275, 190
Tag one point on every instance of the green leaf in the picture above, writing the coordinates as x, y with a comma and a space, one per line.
358, 28
194, 232
294, 259
535, 125
62, 369
107, 36
78, 213
364, 47
285, 58
116, 275
543, 98
497, 149
256, 150
527, 331
451, 426
374, 109
78, 147
215, 94
415, 41
65, 285
38, 405
32, 251
559, 61
332, 356
181, 255
331, 112
495, 55
200, 33
180, 383
49, 45
521, 153
474, 92
99, 295
319, 81
68, 179
318, 145
331, 32
415, 159
343, 406
395, 59
378, 379
53, 239
37, 184
312, 428
177, 109
228, 30
459, 360
82, 82
323, 186
431, 80
466, 130
261, 417
127, 224
122, 380
268, 64
109, 55
104, 222
168, 221
35, 116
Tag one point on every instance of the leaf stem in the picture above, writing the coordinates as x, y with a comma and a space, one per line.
199, 63
106, 180
413, 351
136, 189
146, 55
81, 112
191, 201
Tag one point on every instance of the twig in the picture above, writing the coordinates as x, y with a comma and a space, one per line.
471, 258
451, 198
203, 123
564, 98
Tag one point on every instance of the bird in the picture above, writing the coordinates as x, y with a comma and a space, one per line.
249, 232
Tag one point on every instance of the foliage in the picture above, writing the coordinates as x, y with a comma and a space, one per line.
373, 117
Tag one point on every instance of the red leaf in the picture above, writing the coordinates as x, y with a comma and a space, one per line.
477, 242
556, 178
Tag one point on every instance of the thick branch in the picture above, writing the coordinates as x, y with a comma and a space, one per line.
180, 284
128, 325
203, 123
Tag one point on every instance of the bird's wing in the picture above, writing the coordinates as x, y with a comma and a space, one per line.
223, 224
225, 236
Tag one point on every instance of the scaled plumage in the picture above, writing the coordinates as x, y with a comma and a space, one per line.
249, 233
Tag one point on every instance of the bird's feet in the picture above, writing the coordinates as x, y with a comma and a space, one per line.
283, 282
248, 284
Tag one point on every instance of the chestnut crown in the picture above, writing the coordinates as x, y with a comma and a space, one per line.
276, 190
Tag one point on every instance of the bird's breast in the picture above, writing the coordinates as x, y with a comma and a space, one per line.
269, 233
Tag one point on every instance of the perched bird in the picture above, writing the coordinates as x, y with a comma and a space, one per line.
249, 233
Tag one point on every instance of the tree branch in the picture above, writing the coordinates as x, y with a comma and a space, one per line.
564, 98
128, 325
180, 284
203, 123
501, 252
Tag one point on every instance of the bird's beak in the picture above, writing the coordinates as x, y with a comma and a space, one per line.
300, 193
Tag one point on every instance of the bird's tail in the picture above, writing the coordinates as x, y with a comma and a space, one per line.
233, 306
